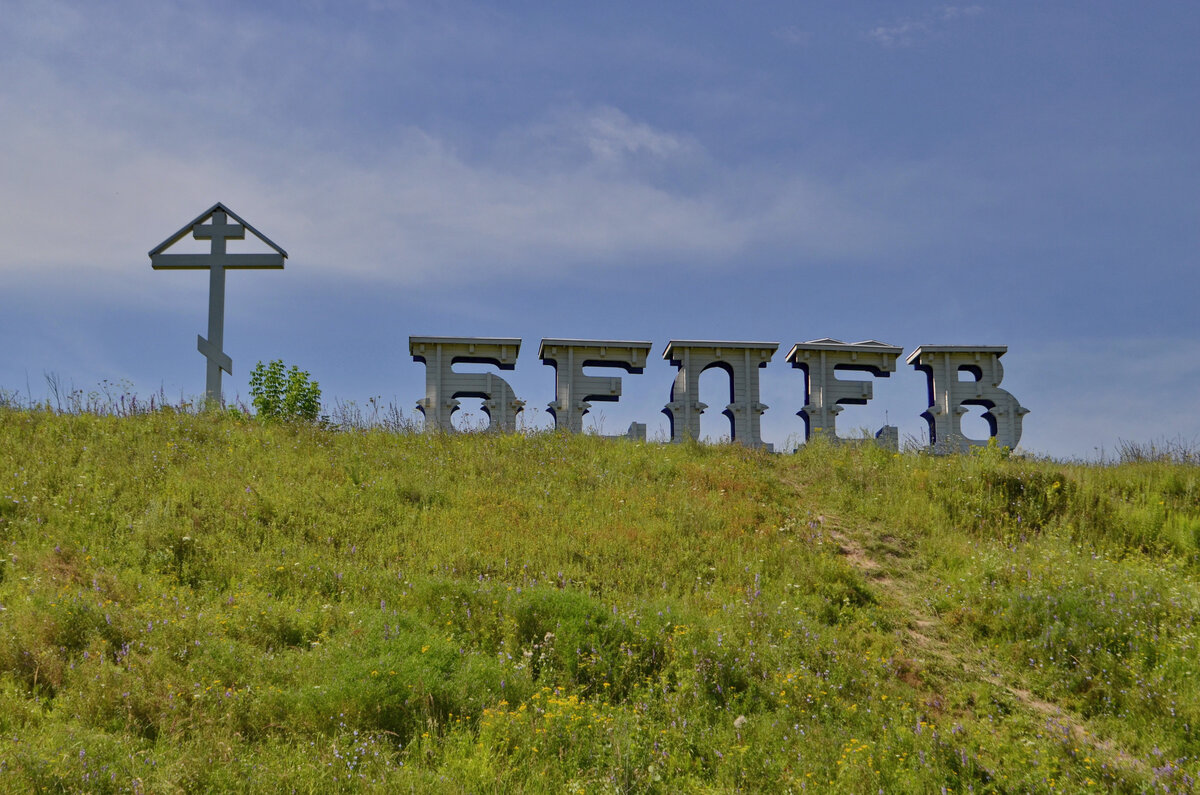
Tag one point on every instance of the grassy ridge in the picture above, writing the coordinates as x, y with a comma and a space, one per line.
207, 603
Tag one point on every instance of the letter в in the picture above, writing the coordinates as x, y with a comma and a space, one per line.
948, 396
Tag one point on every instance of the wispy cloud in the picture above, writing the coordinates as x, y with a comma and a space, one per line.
585, 186
793, 34
610, 133
909, 31
118, 134
601, 133
577, 185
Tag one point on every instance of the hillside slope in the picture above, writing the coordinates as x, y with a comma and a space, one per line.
206, 603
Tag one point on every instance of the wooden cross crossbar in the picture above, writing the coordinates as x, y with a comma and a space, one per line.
232, 262
217, 261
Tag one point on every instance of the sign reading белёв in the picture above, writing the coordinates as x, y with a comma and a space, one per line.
825, 393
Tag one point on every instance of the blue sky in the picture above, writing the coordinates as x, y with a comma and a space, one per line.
1016, 173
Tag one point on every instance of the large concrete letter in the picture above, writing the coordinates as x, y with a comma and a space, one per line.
825, 394
574, 390
948, 395
741, 360
443, 386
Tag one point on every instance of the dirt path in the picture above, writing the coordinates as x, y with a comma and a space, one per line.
925, 640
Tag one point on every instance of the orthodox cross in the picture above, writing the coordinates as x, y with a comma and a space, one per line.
217, 261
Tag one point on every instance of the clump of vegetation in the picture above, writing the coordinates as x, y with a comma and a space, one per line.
277, 394
191, 601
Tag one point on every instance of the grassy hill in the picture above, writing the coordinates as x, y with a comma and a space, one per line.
209, 603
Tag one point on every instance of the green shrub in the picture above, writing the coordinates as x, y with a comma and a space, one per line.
280, 395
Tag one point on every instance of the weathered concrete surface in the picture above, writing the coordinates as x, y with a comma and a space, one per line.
574, 390
444, 386
742, 361
948, 395
825, 394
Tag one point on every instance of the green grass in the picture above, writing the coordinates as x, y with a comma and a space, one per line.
207, 603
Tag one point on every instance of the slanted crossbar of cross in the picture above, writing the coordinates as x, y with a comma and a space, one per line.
217, 261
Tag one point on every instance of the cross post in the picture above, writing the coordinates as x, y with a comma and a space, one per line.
217, 261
